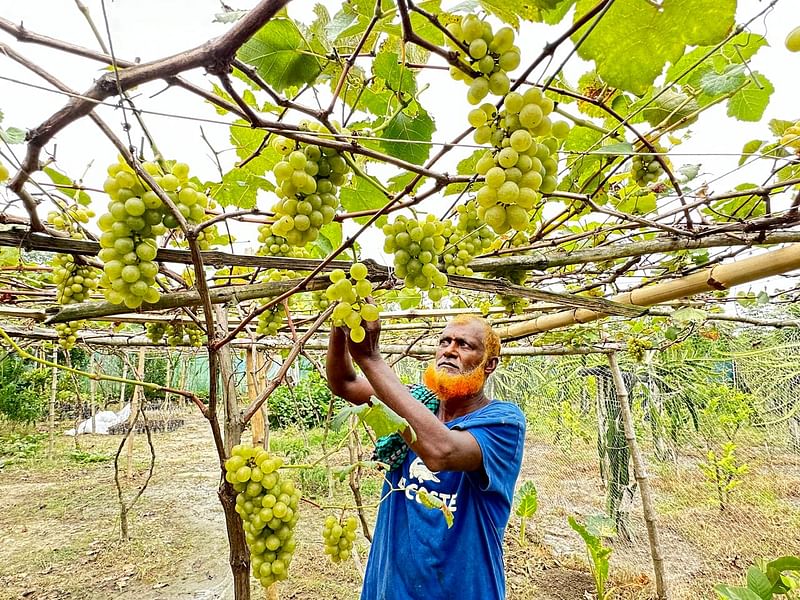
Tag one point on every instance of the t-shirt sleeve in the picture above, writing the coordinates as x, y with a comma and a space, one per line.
500, 433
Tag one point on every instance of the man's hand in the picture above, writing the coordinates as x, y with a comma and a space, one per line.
369, 348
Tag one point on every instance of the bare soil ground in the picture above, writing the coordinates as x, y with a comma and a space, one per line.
59, 530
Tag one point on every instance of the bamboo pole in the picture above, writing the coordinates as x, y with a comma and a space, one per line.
122, 385
640, 472
257, 422
136, 397
718, 277
93, 393
261, 367
168, 380
51, 421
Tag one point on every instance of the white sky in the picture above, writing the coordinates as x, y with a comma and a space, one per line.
152, 29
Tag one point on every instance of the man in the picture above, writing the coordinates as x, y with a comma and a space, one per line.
468, 455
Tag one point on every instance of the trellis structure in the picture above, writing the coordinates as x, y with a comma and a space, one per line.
601, 243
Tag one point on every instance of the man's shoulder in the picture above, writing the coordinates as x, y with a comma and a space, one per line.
500, 412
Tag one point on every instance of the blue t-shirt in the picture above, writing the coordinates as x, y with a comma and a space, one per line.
414, 555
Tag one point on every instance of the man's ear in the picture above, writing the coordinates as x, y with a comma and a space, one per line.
491, 365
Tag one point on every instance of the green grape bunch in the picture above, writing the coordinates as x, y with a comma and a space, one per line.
513, 304
308, 177
492, 54
270, 321
136, 217
69, 219
338, 537
68, 333
350, 294
645, 170
155, 331
466, 240
523, 161
268, 504
416, 246
74, 282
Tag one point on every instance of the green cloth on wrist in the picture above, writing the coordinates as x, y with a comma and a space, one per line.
392, 449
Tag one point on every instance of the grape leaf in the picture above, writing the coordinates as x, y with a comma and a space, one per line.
779, 126
361, 195
66, 186
689, 315
634, 40
281, 55
510, 11
749, 148
716, 84
467, 166
397, 76
239, 187
13, 135
750, 102
404, 134
379, 417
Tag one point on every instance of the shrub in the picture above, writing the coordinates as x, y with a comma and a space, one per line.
303, 405
22, 397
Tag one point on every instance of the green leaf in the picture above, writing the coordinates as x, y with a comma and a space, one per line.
510, 11
689, 315
785, 563
362, 195
622, 148
429, 501
397, 76
528, 500
758, 582
466, 166
762, 297
749, 148
239, 187
671, 107
333, 233
409, 298
717, 84
379, 417
671, 333
406, 132
779, 126
248, 142
750, 102
281, 55
13, 135
601, 526
67, 186
635, 39
735, 593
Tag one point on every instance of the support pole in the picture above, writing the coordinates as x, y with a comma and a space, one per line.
640, 472
93, 393
136, 396
257, 422
51, 421
124, 376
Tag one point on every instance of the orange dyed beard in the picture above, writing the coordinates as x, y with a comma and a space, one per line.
458, 386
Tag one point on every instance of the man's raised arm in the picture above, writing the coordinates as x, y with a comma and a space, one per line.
342, 378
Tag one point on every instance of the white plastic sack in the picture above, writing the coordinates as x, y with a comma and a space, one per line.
103, 421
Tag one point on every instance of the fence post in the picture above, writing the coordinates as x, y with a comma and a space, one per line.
640, 472
135, 400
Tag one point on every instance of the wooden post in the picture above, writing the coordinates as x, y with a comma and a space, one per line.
51, 422
182, 380
135, 399
640, 472
257, 422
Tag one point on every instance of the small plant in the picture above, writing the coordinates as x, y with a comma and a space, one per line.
724, 472
766, 580
16, 446
83, 457
527, 504
596, 528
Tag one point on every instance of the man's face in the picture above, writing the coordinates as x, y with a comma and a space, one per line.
460, 367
